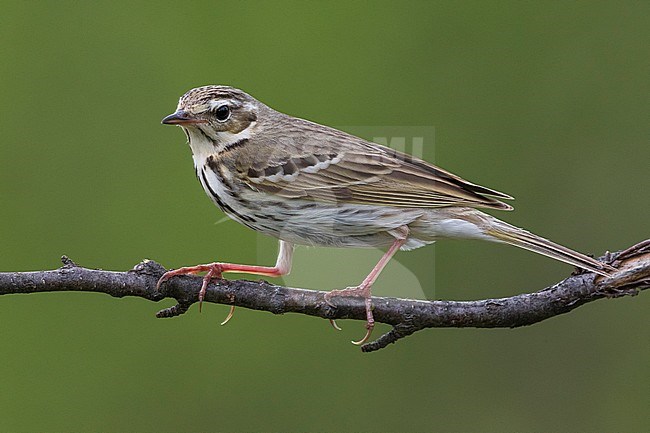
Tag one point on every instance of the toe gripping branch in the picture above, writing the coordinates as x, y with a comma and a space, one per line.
213, 272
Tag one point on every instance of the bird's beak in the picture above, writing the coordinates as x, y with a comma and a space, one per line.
181, 117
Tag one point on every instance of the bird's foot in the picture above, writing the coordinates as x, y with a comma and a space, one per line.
360, 291
213, 271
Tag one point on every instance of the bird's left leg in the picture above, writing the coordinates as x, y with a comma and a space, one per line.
215, 271
364, 289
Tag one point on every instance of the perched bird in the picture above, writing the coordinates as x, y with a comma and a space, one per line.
310, 184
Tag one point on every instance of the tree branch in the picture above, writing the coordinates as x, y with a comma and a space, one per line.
405, 315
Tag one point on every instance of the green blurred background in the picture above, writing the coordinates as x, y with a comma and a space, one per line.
547, 101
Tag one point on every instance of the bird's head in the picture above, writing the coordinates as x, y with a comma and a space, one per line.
215, 110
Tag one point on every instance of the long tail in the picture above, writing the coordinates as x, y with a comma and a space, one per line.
521, 238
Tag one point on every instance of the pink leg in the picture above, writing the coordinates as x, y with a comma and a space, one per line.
364, 289
215, 271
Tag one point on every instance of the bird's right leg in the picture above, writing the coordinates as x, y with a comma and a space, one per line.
363, 290
216, 269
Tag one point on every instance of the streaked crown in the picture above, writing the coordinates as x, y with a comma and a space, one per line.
223, 108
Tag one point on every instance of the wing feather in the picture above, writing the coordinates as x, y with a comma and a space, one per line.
365, 173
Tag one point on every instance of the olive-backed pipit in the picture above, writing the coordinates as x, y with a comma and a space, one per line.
310, 184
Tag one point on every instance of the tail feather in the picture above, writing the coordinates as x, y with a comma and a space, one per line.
521, 238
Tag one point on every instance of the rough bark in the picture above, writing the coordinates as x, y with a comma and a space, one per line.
405, 315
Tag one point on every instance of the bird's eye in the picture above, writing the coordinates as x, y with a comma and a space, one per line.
222, 113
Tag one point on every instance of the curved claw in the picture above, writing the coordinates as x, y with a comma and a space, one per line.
161, 280
229, 316
364, 339
204, 288
214, 272
334, 325
327, 298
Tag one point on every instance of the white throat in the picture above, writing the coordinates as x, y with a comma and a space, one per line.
205, 142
